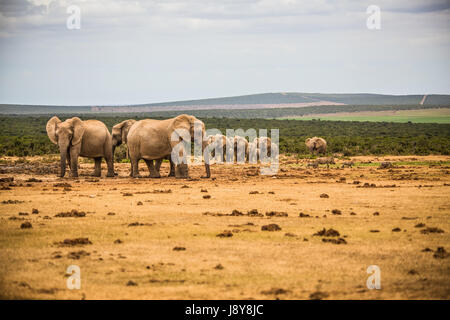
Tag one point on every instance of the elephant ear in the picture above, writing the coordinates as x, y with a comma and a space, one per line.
51, 129
126, 128
78, 130
182, 122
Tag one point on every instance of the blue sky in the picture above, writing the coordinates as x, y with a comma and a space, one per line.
130, 52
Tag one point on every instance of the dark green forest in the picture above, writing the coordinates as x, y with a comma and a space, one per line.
26, 135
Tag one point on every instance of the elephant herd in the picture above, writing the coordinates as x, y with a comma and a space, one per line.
148, 139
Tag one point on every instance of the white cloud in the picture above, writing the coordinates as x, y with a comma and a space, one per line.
139, 51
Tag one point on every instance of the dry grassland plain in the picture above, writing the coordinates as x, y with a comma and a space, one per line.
179, 239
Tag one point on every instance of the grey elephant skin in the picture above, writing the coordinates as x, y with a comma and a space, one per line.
316, 145
120, 135
77, 138
152, 139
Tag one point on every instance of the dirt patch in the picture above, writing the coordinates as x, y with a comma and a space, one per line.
440, 253
275, 291
419, 225
73, 213
335, 241
179, 249
318, 295
289, 234
271, 227
162, 191
138, 224
12, 201
74, 242
62, 185
431, 230
166, 281
367, 185
276, 214
304, 215
225, 234
78, 254
327, 233
26, 225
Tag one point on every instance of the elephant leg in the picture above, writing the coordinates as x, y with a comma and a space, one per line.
158, 163
172, 168
151, 169
208, 172
181, 171
74, 165
109, 158
134, 168
98, 167
68, 161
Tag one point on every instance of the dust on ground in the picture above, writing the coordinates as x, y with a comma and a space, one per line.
254, 237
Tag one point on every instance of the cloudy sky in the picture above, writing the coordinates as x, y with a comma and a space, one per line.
129, 52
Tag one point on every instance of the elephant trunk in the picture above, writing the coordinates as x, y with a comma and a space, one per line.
63, 152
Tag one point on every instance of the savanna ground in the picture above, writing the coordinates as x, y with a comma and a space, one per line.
441, 115
395, 218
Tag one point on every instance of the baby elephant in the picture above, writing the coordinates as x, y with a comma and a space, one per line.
76, 138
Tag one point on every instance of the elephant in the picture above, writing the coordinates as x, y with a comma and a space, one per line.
119, 136
220, 141
120, 133
76, 138
240, 148
253, 152
152, 139
316, 145
263, 143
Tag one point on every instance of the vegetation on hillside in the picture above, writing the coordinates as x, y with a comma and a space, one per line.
26, 135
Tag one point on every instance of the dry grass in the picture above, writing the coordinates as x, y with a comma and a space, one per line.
254, 261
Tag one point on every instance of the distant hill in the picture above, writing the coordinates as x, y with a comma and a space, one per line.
253, 101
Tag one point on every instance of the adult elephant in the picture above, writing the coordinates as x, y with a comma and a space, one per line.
153, 139
264, 143
316, 145
221, 143
240, 149
120, 135
76, 138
